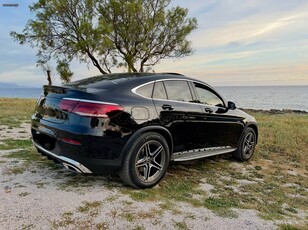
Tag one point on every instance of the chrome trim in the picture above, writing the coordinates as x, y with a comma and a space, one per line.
137, 87
201, 153
66, 161
186, 102
173, 79
71, 168
90, 101
178, 79
134, 90
159, 80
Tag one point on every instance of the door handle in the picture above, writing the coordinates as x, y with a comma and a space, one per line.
208, 110
167, 107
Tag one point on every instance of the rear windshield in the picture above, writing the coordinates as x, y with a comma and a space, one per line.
103, 81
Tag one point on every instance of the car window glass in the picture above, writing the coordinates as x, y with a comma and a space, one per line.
145, 90
159, 91
178, 90
208, 97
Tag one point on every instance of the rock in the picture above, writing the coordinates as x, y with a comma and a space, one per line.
7, 189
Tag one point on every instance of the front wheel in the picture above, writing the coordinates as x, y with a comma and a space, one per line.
246, 146
146, 162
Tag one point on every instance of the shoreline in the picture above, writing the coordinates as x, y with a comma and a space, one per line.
275, 111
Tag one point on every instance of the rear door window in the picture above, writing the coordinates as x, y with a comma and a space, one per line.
178, 91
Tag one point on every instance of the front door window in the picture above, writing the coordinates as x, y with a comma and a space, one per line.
207, 97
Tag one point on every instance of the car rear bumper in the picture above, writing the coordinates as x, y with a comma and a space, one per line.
68, 163
98, 155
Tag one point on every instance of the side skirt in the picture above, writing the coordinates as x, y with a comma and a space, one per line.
201, 153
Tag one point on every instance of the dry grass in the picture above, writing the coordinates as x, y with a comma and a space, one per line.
13, 112
274, 182
283, 138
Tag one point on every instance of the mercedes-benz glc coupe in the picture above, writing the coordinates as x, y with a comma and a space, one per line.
136, 123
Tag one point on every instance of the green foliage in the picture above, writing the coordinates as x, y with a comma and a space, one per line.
9, 144
289, 227
144, 32
110, 33
65, 30
218, 203
64, 71
87, 206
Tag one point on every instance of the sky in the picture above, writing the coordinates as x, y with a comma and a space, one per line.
237, 43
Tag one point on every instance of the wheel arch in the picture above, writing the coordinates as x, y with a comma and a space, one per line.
255, 128
155, 128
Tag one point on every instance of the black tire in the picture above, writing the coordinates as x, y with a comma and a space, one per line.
146, 162
246, 145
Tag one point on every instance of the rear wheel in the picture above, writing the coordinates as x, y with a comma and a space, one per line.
146, 162
246, 146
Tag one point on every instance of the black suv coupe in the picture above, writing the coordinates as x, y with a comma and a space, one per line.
136, 123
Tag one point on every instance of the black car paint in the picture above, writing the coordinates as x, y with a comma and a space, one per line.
104, 141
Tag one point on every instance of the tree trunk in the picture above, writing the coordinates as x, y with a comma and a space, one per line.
95, 63
49, 77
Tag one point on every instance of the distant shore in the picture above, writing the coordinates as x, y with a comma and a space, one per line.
275, 111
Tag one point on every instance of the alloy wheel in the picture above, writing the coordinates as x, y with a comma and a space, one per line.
150, 161
249, 143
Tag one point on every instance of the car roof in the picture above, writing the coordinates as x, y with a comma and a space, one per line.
118, 79
121, 82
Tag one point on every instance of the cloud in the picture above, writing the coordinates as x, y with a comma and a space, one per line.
33, 76
250, 30
267, 44
27, 75
237, 42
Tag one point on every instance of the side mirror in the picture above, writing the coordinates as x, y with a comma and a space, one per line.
231, 105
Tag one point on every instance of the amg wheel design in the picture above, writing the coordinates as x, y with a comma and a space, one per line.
146, 162
246, 146
150, 161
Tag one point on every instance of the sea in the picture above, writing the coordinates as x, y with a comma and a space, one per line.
247, 97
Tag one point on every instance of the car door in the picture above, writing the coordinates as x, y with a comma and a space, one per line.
221, 126
173, 101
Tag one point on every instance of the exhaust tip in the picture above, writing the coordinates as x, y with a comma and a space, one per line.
71, 168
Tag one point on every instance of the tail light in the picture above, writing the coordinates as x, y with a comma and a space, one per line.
89, 108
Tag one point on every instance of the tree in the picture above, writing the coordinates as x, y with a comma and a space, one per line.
144, 31
64, 30
64, 71
109, 33
47, 71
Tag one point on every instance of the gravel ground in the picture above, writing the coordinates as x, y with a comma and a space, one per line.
21, 133
41, 198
